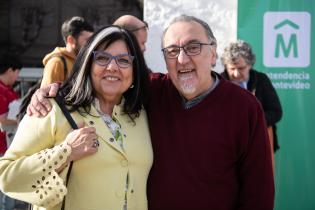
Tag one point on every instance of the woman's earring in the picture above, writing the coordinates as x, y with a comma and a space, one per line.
132, 86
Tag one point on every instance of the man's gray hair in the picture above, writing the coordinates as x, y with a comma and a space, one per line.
187, 18
236, 50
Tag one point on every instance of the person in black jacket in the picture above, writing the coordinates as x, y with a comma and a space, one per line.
238, 60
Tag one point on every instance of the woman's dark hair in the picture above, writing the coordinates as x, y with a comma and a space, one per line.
77, 90
25, 101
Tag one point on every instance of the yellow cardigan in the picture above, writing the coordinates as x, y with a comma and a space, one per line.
97, 182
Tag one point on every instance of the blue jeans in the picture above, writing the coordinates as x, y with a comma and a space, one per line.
7, 203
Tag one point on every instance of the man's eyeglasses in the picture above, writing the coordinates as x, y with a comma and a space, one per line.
190, 49
145, 26
103, 59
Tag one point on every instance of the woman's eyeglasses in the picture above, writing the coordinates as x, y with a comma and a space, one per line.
104, 58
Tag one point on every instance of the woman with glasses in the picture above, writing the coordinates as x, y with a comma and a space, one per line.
111, 151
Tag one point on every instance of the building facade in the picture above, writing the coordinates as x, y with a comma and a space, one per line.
30, 29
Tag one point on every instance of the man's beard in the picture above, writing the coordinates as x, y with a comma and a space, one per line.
187, 84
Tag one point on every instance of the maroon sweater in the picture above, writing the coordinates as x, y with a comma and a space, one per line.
213, 156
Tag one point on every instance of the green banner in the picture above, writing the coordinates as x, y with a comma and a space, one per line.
280, 32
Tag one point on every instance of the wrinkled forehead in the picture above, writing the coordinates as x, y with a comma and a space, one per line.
181, 33
237, 60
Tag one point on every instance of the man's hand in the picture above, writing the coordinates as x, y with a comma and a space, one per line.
40, 105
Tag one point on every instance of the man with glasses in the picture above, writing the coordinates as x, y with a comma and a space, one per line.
209, 137
138, 27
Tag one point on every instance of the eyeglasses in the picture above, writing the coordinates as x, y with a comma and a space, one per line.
103, 59
146, 26
190, 49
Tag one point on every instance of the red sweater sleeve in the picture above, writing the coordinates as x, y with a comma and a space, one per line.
256, 177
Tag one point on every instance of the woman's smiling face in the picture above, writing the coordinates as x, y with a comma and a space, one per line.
111, 81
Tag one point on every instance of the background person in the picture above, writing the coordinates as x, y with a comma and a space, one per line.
138, 27
112, 155
75, 32
10, 68
238, 60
